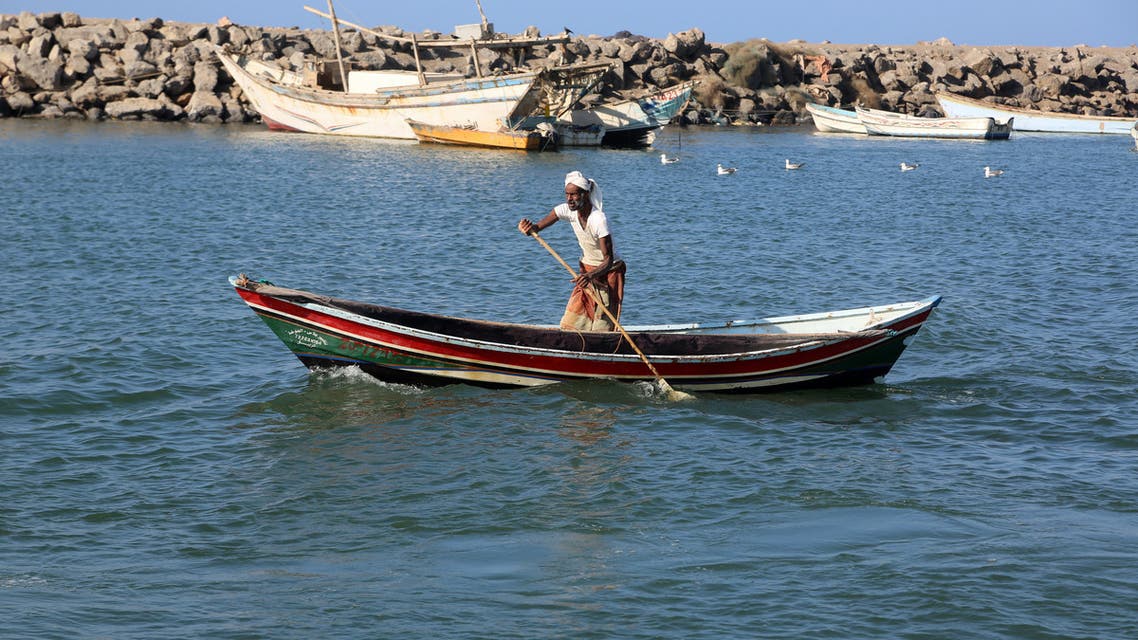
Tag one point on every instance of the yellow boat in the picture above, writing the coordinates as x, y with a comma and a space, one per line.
473, 137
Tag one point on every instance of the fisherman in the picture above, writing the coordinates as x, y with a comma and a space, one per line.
602, 270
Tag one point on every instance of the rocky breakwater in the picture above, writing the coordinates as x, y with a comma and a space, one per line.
61, 65
1078, 79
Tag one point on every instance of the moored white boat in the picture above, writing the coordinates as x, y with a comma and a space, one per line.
381, 103
834, 120
470, 137
633, 121
1033, 120
887, 123
382, 113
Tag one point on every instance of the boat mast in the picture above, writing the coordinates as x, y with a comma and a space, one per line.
336, 26
485, 22
501, 43
339, 49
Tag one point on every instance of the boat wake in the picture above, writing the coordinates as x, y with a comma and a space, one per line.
353, 374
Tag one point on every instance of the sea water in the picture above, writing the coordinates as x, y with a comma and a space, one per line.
169, 470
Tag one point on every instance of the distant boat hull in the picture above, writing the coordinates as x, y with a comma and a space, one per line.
631, 122
1032, 120
834, 120
569, 135
887, 123
462, 136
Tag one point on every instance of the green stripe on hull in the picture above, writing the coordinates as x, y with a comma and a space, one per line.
305, 340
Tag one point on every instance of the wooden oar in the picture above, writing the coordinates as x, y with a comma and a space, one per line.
672, 394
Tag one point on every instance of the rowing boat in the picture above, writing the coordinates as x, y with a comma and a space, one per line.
831, 349
632, 122
472, 137
834, 120
888, 123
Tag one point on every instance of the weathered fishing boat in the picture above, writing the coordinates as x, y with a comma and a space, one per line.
471, 137
887, 123
632, 121
838, 348
382, 110
379, 103
1033, 120
834, 120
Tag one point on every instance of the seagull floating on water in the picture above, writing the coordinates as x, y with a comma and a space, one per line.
905, 166
664, 159
794, 165
724, 171
989, 172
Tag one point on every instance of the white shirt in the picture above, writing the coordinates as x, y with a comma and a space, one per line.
589, 236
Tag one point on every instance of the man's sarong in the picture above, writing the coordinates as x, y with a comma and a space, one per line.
582, 314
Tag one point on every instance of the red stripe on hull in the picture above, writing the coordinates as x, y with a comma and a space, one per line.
273, 125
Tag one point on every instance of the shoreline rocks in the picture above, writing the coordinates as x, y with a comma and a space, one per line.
61, 65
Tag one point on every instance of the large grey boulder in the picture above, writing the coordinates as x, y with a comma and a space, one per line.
86, 94
45, 74
9, 57
83, 48
137, 107
205, 76
204, 105
40, 45
27, 21
100, 35
21, 102
685, 44
77, 67
112, 93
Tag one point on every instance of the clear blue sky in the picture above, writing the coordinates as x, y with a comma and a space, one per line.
994, 22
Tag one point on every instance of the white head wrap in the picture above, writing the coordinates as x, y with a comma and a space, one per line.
588, 184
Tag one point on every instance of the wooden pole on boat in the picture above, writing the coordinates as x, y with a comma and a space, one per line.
418, 65
339, 49
671, 393
474, 56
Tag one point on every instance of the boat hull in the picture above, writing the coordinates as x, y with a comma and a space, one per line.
886, 123
834, 120
631, 122
1030, 120
423, 349
481, 103
442, 134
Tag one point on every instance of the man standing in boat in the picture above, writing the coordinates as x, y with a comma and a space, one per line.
601, 268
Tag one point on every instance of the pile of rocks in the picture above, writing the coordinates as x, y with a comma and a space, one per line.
1080, 79
60, 65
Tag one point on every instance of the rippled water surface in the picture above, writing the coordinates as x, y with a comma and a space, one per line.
169, 470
